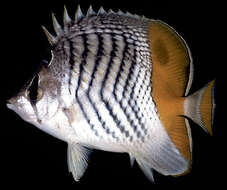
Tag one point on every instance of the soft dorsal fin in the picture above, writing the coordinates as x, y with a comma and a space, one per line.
171, 54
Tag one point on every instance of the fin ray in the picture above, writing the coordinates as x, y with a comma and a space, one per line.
51, 39
78, 15
171, 56
56, 25
78, 156
200, 107
66, 18
160, 153
148, 172
132, 159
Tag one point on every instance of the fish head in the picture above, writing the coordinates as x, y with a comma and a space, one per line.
37, 101
22, 106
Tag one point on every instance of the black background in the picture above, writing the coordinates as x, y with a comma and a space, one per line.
31, 158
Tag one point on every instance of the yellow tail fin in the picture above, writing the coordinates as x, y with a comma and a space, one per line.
200, 107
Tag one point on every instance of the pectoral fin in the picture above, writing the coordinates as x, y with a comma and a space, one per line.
78, 156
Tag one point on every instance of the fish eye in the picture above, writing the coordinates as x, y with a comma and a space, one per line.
34, 92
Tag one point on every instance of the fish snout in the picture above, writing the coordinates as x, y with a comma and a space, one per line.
11, 100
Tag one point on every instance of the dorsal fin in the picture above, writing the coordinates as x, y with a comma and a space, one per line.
78, 16
111, 11
90, 11
51, 39
173, 56
57, 26
101, 11
66, 18
129, 14
120, 12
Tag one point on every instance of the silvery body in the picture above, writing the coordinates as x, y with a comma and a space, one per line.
96, 93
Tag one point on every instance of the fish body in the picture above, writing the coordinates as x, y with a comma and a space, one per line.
118, 82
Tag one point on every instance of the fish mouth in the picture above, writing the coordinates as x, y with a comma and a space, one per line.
11, 100
10, 106
9, 103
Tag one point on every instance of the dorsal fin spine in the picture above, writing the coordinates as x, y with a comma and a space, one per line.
52, 39
101, 11
120, 12
57, 26
66, 18
90, 11
111, 11
78, 14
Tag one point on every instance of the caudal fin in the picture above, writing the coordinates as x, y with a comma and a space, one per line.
200, 107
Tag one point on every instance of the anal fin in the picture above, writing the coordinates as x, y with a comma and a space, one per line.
148, 171
180, 134
161, 153
132, 159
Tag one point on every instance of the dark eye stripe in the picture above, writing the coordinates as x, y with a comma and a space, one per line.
33, 89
